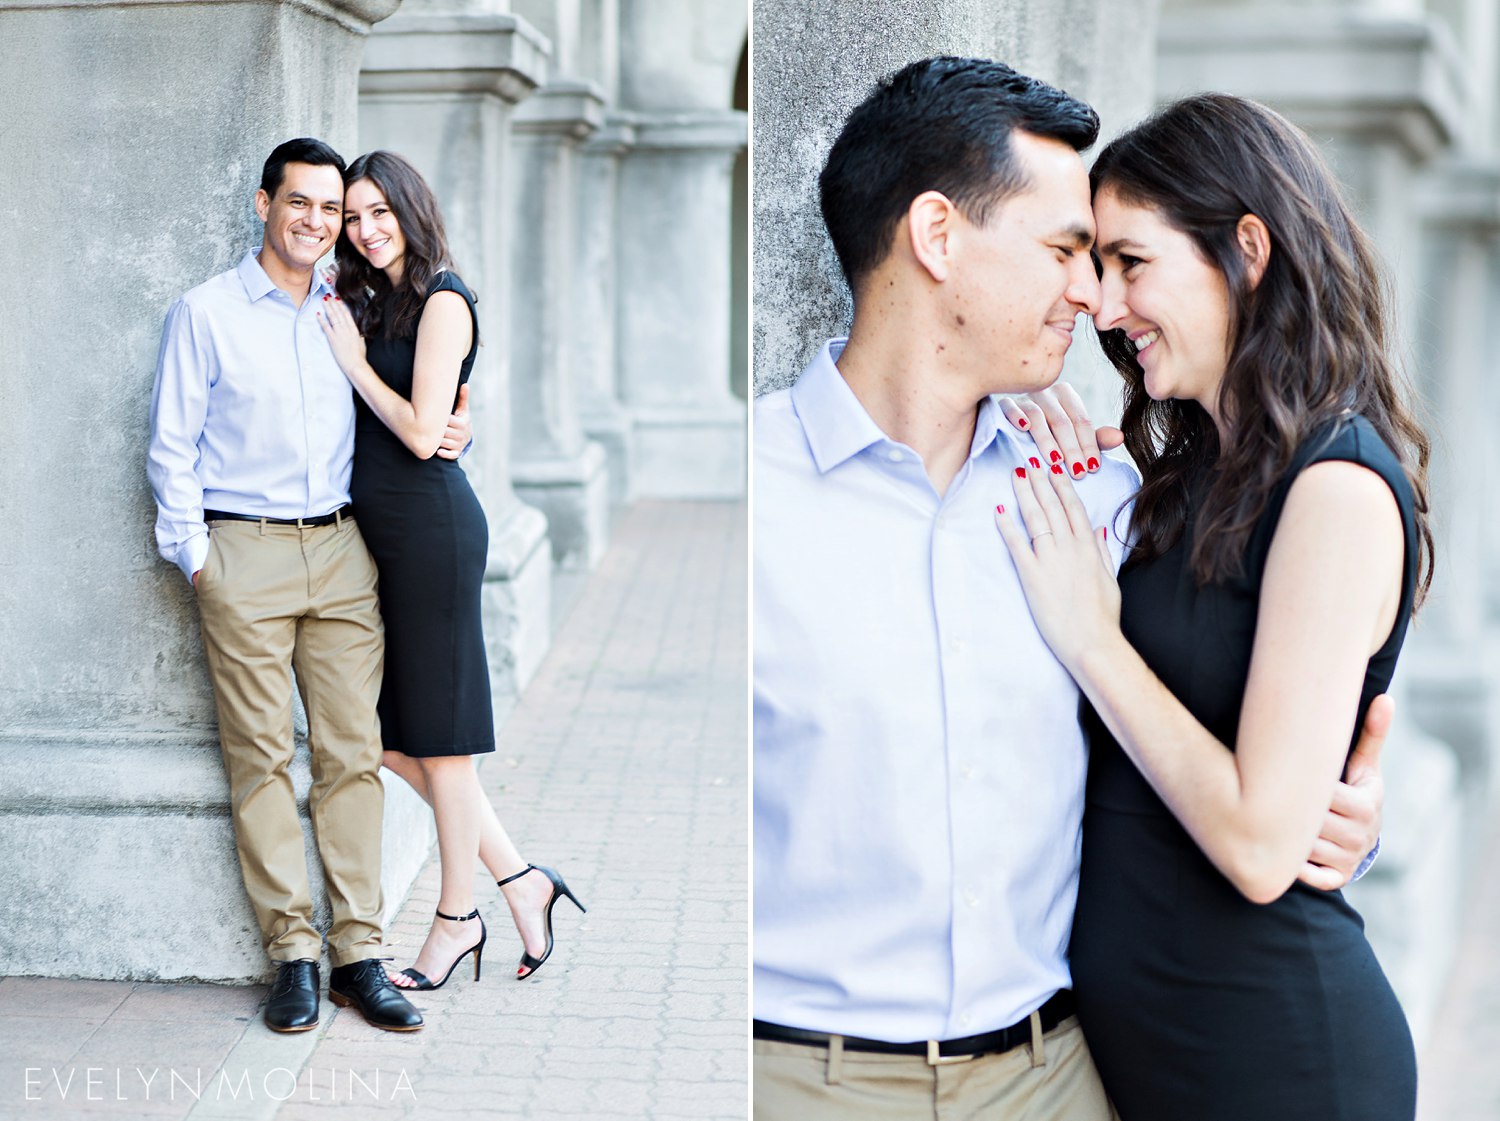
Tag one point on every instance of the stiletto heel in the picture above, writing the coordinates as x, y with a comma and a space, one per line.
559, 888
425, 985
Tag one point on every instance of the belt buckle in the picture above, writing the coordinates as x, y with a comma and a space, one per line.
934, 1059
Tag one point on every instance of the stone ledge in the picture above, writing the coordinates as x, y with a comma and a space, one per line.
352, 15
1330, 71
573, 470
474, 53
567, 106
721, 130
160, 876
1463, 193
514, 542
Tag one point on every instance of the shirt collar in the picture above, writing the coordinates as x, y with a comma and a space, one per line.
989, 427
837, 426
258, 284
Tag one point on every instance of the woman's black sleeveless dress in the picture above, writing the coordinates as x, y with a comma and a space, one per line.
1197, 1004
427, 533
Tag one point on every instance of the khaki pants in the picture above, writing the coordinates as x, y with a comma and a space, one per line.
1054, 1082
272, 598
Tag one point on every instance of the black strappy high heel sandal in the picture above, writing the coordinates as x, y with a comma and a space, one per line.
423, 984
559, 889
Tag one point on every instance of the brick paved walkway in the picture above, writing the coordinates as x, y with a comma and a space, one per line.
624, 765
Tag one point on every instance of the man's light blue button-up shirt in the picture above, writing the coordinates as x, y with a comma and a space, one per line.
919, 766
250, 414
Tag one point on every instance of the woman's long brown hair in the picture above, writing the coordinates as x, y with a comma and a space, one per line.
1308, 344
365, 288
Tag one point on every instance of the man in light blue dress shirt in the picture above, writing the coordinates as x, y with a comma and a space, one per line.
919, 764
251, 451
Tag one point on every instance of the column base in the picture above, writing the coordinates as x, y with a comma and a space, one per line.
689, 453
574, 494
614, 432
517, 602
116, 915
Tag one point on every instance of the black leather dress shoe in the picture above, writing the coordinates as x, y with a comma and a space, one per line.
366, 986
293, 1004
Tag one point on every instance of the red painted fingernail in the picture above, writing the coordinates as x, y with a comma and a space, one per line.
1105, 531
999, 509
1056, 456
325, 298
1035, 462
1078, 469
1056, 470
1021, 423
1093, 464
1020, 472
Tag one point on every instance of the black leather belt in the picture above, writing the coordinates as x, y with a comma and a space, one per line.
344, 511
1055, 1011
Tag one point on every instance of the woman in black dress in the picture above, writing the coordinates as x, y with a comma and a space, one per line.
404, 331
1280, 544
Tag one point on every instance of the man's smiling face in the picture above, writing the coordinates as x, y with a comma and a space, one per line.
1026, 273
303, 220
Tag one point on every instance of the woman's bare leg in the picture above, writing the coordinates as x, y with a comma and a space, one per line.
497, 852
453, 790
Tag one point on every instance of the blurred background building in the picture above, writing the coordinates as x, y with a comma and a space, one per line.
589, 156
1402, 97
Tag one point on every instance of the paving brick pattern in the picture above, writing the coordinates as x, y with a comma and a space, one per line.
624, 766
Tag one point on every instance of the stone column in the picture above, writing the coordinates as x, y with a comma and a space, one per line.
1379, 88
605, 418
106, 716
439, 85
675, 206
556, 466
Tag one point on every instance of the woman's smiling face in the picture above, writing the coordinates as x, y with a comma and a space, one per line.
1170, 302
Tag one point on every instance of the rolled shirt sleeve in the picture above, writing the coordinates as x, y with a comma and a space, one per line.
179, 407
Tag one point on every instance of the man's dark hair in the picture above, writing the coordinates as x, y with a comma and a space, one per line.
302, 150
941, 124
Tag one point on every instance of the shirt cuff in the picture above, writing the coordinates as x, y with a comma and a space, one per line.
193, 553
1367, 863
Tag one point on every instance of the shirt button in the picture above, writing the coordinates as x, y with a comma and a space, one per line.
966, 1019
893, 454
967, 770
971, 897
958, 645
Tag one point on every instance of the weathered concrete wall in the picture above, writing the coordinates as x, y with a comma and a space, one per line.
130, 172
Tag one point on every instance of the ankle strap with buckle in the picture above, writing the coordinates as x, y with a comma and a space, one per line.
474, 914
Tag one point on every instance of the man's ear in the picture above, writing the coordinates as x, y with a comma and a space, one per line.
930, 223
1255, 243
262, 204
